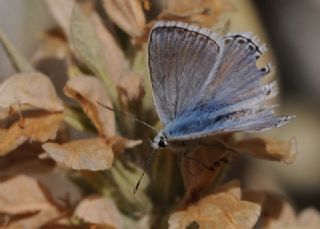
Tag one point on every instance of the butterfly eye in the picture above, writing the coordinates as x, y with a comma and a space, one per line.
162, 143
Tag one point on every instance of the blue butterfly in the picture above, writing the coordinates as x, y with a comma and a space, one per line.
204, 84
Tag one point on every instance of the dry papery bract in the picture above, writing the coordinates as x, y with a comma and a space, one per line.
93, 44
229, 208
128, 15
203, 12
130, 87
88, 154
52, 46
13, 201
268, 148
40, 127
28, 90
61, 10
206, 161
63, 191
89, 91
24, 163
24, 160
220, 210
277, 212
99, 210
22, 195
197, 178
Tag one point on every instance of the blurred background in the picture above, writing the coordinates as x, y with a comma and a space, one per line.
291, 30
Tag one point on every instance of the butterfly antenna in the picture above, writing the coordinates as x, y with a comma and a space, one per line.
129, 116
146, 166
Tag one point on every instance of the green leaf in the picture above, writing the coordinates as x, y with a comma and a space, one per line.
88, 47
126, 177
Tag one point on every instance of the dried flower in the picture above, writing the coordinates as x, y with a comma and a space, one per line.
77, 162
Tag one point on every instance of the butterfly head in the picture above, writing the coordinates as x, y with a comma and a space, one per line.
160, 141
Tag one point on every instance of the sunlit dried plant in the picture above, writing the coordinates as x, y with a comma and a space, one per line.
71, 163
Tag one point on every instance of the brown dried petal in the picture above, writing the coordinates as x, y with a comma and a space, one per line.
221, 210
41, 127
232, 187
128, 15
51, 46
197, 178
22, 194
203, 12
35, 221
119, 144
61, 10
63, 191
25, 161
88, 91
276, 211
86, 154
31, 90
99, 210
270, 149
254, 196
131, 87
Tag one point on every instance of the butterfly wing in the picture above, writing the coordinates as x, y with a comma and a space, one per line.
181, 57
232, 98
236, 72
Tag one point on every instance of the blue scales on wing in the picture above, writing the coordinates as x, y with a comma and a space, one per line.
204, 84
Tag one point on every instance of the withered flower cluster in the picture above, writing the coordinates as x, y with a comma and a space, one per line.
68, 162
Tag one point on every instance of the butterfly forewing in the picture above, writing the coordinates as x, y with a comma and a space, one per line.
181, 57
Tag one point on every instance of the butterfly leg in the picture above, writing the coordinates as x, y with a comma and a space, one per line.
180, 162
226, 153
211, 168
184, 156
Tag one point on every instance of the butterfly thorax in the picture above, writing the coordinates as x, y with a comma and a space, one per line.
160, 141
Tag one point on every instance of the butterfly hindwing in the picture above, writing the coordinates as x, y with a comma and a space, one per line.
232, 98
236, 72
